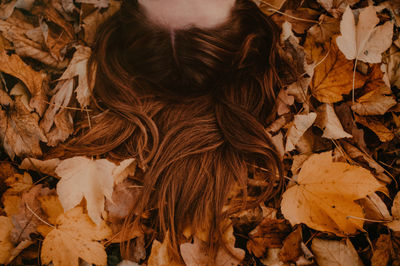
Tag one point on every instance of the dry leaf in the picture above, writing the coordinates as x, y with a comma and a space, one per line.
393, 66
36, 82
26, 220
124, 197
283, 101
19, 183
333, 252
324, 195
51, 205
382, 251
20, 132
395, 224
333, 74
46, 167
268, 234
376, 99
93, 21
78, 67
160, 256
300, 124
124, 169
364, 41
81, 178
383, 133
75, 236
195, 254
336, 7
375, 208
329, 123
291, 249
5, 244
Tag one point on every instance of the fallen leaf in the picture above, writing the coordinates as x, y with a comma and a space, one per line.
323, 197
47, 167
382, 251
5, 244
20, 132
26, 220
333, 252
78, 67
81, 178
96, 3
36, 82
333, 74
300, 124
64, 127
336, 7
393, 66
375, 208
364, 41
272, 258
124, 169
291, 249
395, 224
376, 99
160, 255
301, 18
94, 20
75, 236
195, 254
328, 121
383, 133
283, 101
51, 206
268, 234
19, 183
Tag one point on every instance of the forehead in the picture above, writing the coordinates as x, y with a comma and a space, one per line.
176, 14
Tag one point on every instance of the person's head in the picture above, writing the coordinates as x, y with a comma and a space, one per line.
190, 100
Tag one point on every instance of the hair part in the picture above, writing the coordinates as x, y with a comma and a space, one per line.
191, 105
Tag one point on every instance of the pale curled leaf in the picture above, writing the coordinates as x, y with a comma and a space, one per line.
324, 195
300, 124
329, 123
83, 177
333, 252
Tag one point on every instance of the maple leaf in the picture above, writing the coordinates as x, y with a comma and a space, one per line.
83, 177
333, 252
324, 195
75, 236
333, 74
336, 7
5, 244
395, 224
364, 41
329, 122
46, 167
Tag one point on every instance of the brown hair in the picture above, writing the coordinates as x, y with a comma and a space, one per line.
191, 105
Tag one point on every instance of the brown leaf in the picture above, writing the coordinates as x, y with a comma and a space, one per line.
300, 124
25, 221
268, 234
46, 167
333, 74
5, 244
36, 82
323, 31
336, 7
373, 123
160, 256
301, 18
393, 66
383, 248
328, 121
19, 131
291, 249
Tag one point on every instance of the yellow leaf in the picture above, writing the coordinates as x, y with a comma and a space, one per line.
51, 206
5, 243
333, 74
324, 195
76, 236
160, 255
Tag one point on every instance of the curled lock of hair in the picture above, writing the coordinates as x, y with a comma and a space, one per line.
191, 105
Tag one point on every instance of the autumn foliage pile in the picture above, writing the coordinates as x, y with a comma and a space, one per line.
337, 130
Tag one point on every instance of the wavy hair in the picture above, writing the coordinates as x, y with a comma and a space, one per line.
191, 105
